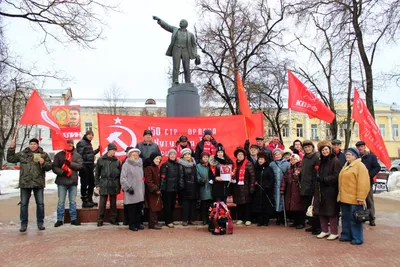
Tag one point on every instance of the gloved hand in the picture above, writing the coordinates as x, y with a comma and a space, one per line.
65, 173
247, 143
130, 191
67, 162
203, 181
282, 192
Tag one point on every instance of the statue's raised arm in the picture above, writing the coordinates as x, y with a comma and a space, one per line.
182, 48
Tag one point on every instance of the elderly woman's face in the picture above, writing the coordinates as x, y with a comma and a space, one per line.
134, 155
293, 160
350, 157
278, 156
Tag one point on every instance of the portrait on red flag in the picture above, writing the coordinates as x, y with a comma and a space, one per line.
69, 120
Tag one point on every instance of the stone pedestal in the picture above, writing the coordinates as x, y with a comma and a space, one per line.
183, 100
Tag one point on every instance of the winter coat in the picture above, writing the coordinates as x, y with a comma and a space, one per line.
264, 148
242, 194
171, 172
76, 165
85, 149
290, 185
280, 167
153, 185
188, 182
272, 146
354, 183
341, 157
220, 189
326, 187
147, 149
107, 175
32, 174
264, 177
308, 174
200, 148
204, 176
132, 176
371, 162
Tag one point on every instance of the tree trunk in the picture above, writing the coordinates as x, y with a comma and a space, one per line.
2, 154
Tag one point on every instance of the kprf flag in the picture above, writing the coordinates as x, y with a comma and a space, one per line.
36, 113
369, 130
245, 107
303, 100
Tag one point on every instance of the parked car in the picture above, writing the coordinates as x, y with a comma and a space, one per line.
395, 165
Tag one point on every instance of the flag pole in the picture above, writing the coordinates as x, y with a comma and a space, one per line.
245, 127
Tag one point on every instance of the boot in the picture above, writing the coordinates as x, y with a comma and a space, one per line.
90, 200
41, 227
23, 228
58, 224
87, 204
99, 223
75, 222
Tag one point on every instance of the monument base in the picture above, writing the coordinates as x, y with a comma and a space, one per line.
183, 100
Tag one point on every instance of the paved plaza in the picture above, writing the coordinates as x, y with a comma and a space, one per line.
88, 245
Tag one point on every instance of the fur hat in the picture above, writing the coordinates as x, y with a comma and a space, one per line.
134, 150
185, 151
220, 147
287, 151
172, 151
34, 140
308, 143
323, 144
354, 151
262, 154
111, 146
239, 149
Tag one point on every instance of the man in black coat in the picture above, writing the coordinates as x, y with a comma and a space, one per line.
336, 144
85, 149
261, 147
147, 146
207, 144
371, 162
66, 165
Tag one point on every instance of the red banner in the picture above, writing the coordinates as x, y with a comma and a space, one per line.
245, 107
69, 120
126, 131
303, 100
369, 130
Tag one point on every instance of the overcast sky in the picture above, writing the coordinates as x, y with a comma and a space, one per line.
133, 54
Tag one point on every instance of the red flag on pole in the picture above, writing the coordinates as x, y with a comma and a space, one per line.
369, 130
36, 113
244, 107
303, 100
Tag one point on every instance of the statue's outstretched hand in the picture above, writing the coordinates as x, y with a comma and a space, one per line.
156, 18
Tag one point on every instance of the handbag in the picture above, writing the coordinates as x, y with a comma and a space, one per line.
310, 209
362, 215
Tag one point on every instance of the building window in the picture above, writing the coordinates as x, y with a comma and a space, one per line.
328, 133
299, 130
88, 126
285, 130
314, 131
395, 130
356, 130
382, 128
270, 131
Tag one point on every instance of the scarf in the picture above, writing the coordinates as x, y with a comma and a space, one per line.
242, 171
209, 147
64, 167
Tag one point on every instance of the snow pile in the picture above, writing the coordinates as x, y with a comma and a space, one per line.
9, 181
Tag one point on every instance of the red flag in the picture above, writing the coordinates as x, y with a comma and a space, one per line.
36, 112
369, 130
303, 100
245, 108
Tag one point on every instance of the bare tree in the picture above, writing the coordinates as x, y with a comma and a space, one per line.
114, 98
235, 36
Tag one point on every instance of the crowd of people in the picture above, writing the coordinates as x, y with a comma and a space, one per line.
304, 183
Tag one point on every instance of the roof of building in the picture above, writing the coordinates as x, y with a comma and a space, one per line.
126, 102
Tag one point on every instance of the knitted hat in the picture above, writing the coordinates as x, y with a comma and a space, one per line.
277, 150
254, 146
336, 142
172, 151
204, 154
308, 143
111, 146
183, 138
238, 150
154, 154
220, 147
186, 151
262, 154
287, 151
353, 151
295, 156
360, 143
133, 150
323, 144
34, 140
146, 132
207, 132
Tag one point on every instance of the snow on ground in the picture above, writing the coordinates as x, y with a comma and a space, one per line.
9, 183
393, 186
